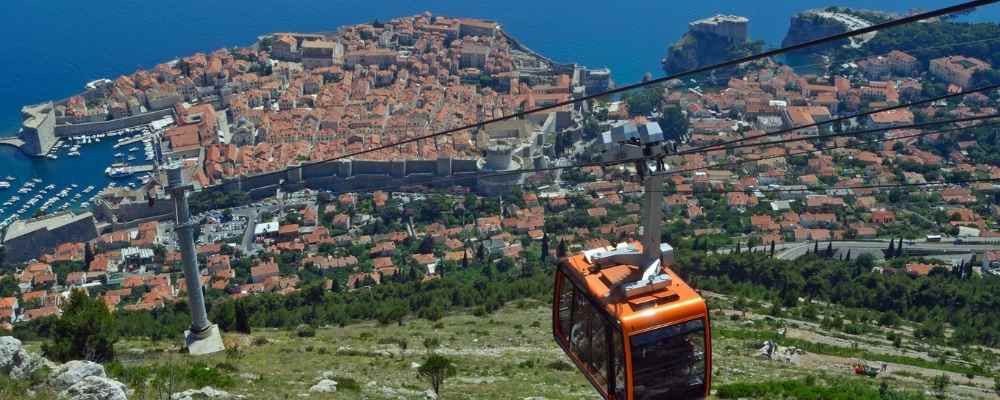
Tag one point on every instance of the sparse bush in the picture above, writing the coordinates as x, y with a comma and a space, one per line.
431, 344
260, 341
234, 348
559, 365
226, 366
305, 331
201, 375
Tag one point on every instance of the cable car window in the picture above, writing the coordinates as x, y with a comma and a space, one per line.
566, 290
669, 363
618, 363
599, 349
583, 316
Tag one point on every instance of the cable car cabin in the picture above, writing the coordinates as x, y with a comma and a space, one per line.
635, 336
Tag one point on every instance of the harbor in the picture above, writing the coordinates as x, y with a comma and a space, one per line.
75, 171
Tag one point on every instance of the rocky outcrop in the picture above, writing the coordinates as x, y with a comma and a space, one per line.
72, 372
709, 42
75, 380
206, 392
17, 362
815, 24
95, 388
324, 386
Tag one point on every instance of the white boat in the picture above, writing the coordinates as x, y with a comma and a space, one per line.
4, 185
50, 187
10, 178
74, 186
73, 154
52, 157
36, 180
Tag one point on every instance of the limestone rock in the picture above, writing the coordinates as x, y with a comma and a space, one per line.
9, 347
18, 362
74, 372
28, 364
324, 386
95, 387
430, 395
206, 392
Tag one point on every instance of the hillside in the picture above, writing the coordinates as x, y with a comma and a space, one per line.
510, 355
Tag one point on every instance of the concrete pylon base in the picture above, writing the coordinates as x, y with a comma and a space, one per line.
207, 342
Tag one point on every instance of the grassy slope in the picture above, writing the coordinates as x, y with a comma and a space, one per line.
507, 355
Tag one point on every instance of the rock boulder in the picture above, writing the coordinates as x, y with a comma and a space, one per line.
73, 372
324, 386
95, 388
16, 362
206, 392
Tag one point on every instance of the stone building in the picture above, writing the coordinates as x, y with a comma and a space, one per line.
38, 128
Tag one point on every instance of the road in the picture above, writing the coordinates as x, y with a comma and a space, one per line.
791, 251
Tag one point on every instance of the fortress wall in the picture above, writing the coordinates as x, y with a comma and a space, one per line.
105, 126
421, 167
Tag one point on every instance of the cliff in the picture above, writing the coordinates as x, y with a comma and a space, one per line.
709, 41
815, 24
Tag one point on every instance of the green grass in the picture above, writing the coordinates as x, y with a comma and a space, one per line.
809, 389
831, 350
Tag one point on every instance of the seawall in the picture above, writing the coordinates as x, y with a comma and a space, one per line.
87, 128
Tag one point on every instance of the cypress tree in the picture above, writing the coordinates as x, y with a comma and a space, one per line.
738, 244
829, 249
480, 252
545, 246
772, 249
561, 249
815, 247
891, 251
848, 256
465, 258
88, 255
899, 248
242, 320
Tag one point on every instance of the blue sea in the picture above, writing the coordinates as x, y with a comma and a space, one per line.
52, 48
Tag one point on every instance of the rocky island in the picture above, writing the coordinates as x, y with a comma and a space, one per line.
814, 24
710, 41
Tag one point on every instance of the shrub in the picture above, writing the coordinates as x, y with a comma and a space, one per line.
305, 331
559, 365
86, 330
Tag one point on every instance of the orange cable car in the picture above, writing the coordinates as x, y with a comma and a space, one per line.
628, 322
653, 344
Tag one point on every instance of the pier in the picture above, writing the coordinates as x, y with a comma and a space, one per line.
12, 141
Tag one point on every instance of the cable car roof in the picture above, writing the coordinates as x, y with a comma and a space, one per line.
664, 304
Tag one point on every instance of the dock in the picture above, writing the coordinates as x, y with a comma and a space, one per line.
137, 139
12, 141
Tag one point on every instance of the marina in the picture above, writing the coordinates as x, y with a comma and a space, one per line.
75, 171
